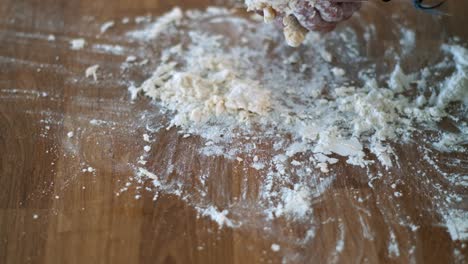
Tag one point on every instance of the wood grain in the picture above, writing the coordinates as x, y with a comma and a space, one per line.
53, 212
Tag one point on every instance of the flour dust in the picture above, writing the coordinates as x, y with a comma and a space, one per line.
296, 117
291, 130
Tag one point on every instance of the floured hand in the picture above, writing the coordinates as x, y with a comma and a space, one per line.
299, 16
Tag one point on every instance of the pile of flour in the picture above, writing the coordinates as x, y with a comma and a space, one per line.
211, 83
231, 81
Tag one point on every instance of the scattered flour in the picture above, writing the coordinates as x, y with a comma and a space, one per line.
292, 118
296, 203
408, 40
223, 89
457, 224
219, 217
214, 86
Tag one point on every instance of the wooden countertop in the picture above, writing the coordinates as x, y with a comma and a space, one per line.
53, 209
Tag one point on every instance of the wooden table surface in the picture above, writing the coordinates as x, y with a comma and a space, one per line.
54, 210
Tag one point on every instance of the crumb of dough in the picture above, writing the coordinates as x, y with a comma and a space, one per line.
338, 72
77, 44
131, 58
283, 5
92, 71
275, 247
269, 14
294, 33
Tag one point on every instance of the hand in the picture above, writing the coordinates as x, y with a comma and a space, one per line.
323, 16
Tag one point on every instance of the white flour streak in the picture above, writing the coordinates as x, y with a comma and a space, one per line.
142, 172
340, 243
408, 40
34, 36
161, 25
110, 49
393, 248
34, 64
365, 229
106, 26
98, 122
35, 93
